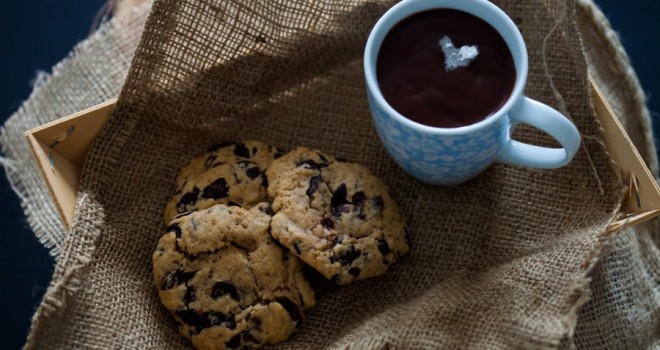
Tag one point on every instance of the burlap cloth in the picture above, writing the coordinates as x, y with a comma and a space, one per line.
517, 258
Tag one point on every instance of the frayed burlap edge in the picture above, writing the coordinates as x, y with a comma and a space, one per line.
65, 91
620, 63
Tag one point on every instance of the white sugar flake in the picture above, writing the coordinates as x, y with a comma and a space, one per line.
455, 57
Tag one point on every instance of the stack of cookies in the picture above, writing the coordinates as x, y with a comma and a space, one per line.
246, 219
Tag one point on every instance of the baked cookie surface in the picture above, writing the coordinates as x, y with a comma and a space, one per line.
335, 215
227, 282
230, 173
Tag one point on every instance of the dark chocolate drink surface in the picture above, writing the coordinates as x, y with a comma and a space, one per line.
445, 68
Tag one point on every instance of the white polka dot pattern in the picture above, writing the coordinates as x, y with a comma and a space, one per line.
440, 159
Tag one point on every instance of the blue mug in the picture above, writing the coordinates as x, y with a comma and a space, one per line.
449, 156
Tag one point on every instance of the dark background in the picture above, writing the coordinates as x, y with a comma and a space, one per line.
36, 34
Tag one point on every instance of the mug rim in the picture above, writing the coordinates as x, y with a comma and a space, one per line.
402, 9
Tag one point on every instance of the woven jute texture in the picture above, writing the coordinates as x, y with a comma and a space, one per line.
504, 261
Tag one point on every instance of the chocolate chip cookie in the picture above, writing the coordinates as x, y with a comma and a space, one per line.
230, 173
227, 282
335, 215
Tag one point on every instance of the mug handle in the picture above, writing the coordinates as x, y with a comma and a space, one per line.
548, 120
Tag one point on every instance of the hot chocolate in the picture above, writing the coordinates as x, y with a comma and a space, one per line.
445, 68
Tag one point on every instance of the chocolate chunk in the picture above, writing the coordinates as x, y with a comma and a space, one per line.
254, 151
323, 158
378, 203
193, 318
338, 200
328, 223
241, 151
224, 288
189, 296
291, 308
173, 279
249, 338
234, 342
355, 271
180, 188
169, 281
252, 173
310, 164
313, 185
208, 163
335, 278
176, 229
347, 257
217, 318
206, 319
336, 241
216, 190
295, 246
383, 247
182, 215
187, 199
267, 209
359, 198
264, 180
